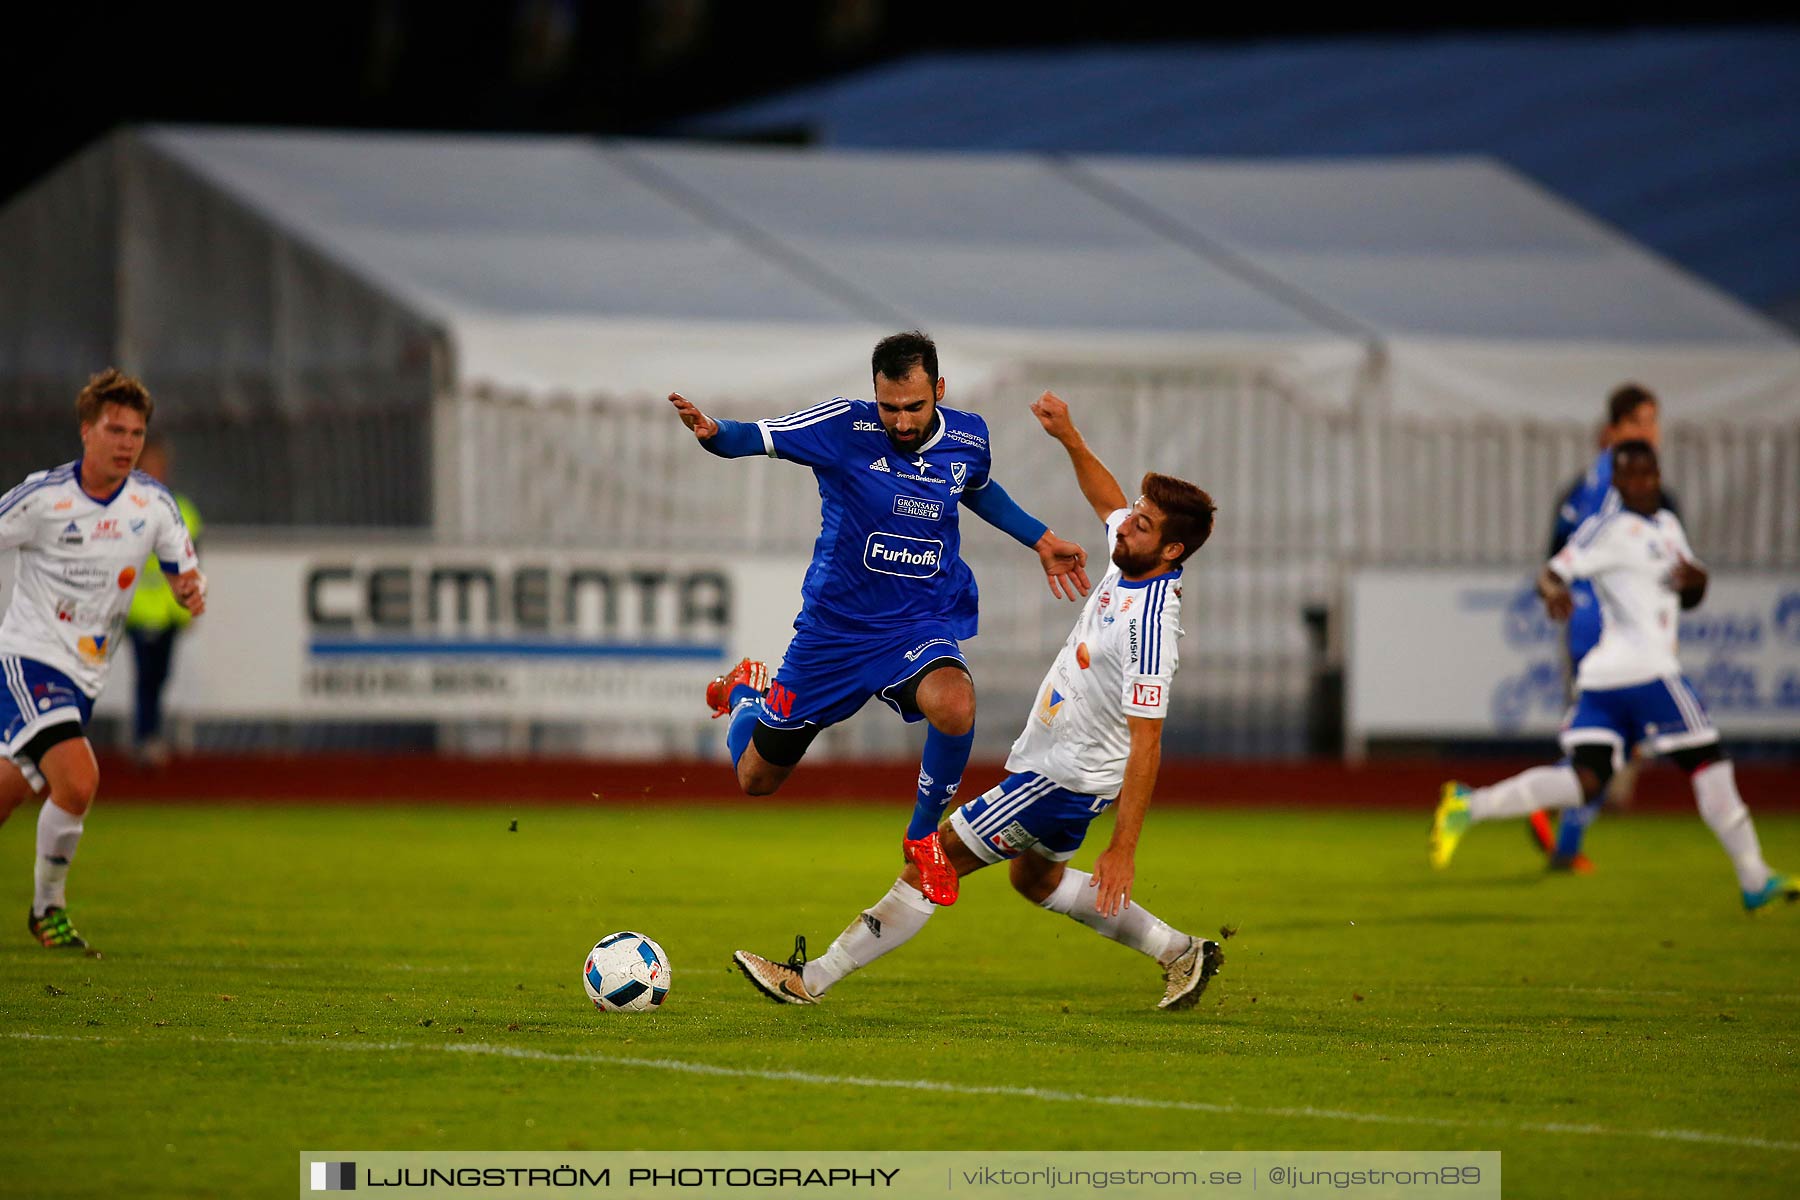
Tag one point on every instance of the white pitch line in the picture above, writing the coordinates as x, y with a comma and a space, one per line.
1699, 1136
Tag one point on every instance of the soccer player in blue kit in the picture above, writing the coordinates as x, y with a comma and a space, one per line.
1094, 737
888, 599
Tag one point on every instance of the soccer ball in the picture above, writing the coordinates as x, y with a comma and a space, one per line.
626, 972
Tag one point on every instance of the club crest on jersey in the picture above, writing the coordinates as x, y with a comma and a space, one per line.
959, 473
137, 526
881, 464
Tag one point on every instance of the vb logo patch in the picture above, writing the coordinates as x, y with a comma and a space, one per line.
334, 1177
1147, 695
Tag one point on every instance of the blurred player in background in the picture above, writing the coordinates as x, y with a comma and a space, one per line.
887, 599
155, 622
1632, 688
1094, 735
83, 530
1632, 414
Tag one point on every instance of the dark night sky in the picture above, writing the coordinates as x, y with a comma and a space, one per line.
72, 73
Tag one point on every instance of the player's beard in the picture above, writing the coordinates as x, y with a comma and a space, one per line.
1135, 564
918, 439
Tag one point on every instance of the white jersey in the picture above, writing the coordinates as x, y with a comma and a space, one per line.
1628, 558
79, 560
1119, 661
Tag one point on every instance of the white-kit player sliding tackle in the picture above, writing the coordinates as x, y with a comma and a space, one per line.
83, 531
1094, 735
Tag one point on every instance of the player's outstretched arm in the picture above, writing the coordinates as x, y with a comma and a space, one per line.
727, 439
1065, 566
1097, 484
1065, 563
1117, 864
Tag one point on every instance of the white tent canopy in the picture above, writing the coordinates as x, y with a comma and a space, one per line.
568, 267
1367, 362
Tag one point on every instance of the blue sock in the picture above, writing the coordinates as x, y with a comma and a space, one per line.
743, 721
1574, 827
940, 771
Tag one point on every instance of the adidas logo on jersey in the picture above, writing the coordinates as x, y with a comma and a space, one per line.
881, 464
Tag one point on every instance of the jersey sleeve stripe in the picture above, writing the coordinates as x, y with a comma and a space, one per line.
762, 427
1162, 625
142, 479
1147, 659
1590, 529
807, 416
809, 410
32, 487
1151, 662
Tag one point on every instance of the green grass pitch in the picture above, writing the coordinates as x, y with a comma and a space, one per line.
388, 978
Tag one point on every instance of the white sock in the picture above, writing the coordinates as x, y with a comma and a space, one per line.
58, 833
1525, 793
1715, 791
1133, 925
888, 924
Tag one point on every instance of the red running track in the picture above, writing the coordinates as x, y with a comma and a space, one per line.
1396, 784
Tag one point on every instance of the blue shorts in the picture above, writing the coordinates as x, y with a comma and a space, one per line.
826, 677
34, 698
1026, 812
1664, 712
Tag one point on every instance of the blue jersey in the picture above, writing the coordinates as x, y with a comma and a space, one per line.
889, 550
1589, 494
1593, 493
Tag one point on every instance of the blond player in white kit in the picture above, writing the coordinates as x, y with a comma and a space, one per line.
1094, 735
1631, 686
83, 531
